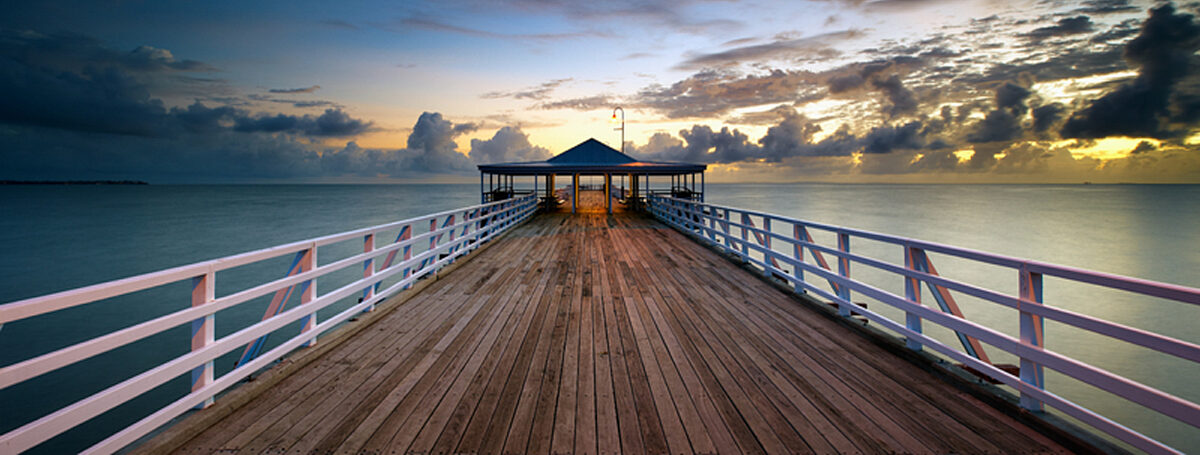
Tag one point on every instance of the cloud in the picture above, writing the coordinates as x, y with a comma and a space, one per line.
437, 25
1046, 116
296, 90
1106, 7
539, 92
1065, 27
338, 23
332, 123
95, 100
900, 100
1143, 147
787, 49
509, 144
713, 93
1163, 53
588, 103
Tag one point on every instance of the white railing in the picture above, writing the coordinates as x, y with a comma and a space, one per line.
450, 235
755, 238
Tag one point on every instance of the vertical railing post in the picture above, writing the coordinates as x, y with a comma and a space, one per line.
844, 270
1031, 335
203, 331
368, 270
406, 233
745, 237
912, 292
798, 254
769, 254
725, 228
307, 263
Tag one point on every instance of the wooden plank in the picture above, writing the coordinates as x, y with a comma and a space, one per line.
650, 417
305, 436
597, 334
473, 401
607, 427
429, 417
626, 410
562, 437
860, 412
489, 422
724, 395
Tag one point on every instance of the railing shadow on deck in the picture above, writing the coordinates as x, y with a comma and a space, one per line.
754, 237
423, 245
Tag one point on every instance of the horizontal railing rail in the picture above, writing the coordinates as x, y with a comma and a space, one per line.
451, 234
753, 237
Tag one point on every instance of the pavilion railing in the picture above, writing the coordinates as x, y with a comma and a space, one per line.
450, 235
755, 238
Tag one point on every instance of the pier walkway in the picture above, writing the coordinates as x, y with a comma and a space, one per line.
602, 334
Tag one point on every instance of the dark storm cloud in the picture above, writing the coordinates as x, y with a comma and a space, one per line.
1063, 63
73, 52
839, 84
900, 100
1004, 123
95, 100
1012, 97
998, 125
1065, 27
1163, 53
1046, 116
1143, 147
785, 49
1106, 7
332, 123
309, 89
66, 120
792, 137
1117, 32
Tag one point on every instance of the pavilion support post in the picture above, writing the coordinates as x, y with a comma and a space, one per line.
482, 192
701, 187
550, 199
608, 192
632, 196
574, 193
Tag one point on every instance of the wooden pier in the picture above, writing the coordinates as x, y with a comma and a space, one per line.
596, 334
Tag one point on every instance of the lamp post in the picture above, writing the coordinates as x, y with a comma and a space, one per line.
622, 128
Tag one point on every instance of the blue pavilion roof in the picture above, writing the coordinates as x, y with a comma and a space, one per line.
592, 156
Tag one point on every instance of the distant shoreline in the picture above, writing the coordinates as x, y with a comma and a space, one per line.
72, 182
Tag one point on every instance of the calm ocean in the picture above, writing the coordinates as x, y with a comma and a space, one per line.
54, 238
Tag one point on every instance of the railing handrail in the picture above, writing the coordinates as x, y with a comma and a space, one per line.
1139, 285
715, 224
34, 306
499, 216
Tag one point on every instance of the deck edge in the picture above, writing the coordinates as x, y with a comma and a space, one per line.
1073, 437
174, 434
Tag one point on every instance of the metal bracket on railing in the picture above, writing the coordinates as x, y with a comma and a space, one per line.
278, 302
945, 301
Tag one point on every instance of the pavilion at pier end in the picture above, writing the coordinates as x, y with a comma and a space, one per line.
625, 179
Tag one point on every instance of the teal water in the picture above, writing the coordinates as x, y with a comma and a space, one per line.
58, 238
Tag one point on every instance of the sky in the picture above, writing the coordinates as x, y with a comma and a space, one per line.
905, 91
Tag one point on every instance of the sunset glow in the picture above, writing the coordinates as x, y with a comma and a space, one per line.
819, 90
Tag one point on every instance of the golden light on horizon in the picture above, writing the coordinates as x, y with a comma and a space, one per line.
1109, 148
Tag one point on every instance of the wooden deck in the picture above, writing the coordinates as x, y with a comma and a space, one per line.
592, 334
